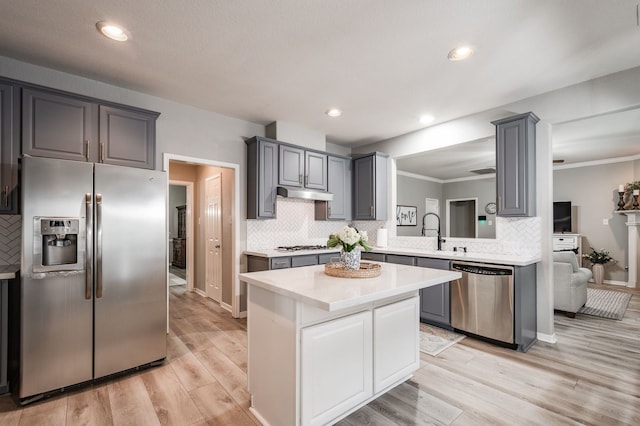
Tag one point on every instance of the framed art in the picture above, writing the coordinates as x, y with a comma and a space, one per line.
406, 215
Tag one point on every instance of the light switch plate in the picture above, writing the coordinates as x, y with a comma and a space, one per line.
605, 221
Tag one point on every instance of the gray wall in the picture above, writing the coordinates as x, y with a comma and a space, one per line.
484, 190
593, 194
413, 192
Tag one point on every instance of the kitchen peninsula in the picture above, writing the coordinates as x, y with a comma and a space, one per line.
320, 347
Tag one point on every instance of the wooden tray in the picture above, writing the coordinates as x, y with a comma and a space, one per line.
367, 270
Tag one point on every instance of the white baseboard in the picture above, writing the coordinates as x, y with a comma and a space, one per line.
548, 338
242, 314
226, 306
200, 292
613, 282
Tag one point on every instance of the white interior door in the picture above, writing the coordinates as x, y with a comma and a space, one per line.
213, 231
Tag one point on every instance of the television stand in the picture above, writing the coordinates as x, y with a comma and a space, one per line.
568, 242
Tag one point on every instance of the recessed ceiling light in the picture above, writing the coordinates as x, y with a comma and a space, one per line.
426, 119
333, 112
112, 31
460, 53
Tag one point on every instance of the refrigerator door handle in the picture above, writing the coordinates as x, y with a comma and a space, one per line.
88, 286
98, 246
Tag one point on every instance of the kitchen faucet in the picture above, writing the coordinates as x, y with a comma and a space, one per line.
424, 229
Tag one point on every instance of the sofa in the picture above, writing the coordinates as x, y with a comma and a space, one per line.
569, 283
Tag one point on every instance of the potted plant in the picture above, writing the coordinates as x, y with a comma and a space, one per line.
598, 258
348, 239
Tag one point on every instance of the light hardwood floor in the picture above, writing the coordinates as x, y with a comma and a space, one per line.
591, 376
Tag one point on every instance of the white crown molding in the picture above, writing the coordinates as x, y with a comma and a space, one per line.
597, 162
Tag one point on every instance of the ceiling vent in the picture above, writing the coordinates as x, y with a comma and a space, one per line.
485, 171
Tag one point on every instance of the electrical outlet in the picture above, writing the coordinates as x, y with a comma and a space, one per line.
605, 221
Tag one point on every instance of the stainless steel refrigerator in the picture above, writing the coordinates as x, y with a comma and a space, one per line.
93, 297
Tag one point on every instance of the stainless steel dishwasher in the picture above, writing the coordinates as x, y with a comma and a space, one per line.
482, 300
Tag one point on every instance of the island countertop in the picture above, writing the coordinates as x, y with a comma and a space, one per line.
312, 286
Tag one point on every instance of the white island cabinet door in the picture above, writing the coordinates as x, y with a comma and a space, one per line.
396, 342
336, 367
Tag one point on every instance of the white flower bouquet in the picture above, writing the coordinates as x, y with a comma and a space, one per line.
349, 238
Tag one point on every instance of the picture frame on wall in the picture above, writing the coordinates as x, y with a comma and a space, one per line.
406, 215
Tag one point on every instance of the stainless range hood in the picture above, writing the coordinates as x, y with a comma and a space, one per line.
304, 193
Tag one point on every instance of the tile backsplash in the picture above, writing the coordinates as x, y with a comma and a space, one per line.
10, 232
295, 225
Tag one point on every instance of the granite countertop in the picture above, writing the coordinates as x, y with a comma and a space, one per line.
312, 286
500, 259
8, 272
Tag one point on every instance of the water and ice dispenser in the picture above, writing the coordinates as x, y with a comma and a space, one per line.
57, 246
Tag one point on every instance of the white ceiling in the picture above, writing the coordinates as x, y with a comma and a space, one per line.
383, 62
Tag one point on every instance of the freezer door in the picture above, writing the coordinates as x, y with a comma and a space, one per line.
131, 265
56, 317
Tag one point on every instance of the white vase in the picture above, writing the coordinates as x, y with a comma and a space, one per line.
350, 259
598, 273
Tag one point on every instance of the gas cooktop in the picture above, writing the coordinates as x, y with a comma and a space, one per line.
286, 249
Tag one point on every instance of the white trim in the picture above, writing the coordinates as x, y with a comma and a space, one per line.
200, 293
597, 162
448, 215
226, 306
548, 338
235, 231
421, 177
443, 181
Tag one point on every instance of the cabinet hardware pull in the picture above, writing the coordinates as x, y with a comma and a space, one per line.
5, 195
306, 180
371, 210
300, 179
102, 152
86, 144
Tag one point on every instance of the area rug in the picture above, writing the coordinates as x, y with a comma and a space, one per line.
434, 340
605, 303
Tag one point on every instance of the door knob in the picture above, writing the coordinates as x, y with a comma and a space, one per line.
217, 246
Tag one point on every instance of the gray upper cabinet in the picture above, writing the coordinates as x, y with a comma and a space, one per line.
300, 168
370, 187
127, 137
291, 172
9, 148
516, 165
315, 167
262, 178
58, 125
339, 184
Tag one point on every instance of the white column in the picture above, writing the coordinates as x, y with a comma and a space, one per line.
633, 228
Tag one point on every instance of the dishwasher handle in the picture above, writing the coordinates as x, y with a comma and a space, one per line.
481, 269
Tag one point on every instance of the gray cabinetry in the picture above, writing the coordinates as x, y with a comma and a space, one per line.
291, 171
435, 300
258, 263
58, 125
127, 137
515, 165
262, 178
339, 184
9, 148
4, 331
401, 260
300, 168
370, 187
376, 257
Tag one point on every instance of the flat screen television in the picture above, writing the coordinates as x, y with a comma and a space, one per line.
561, 216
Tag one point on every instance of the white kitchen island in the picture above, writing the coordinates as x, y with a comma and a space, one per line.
320, 347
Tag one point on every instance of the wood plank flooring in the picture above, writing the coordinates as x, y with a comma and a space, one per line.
591, 376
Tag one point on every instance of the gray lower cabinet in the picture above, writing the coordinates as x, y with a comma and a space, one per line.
301, 168
9, 148
516, 165
376, 257
4, 331
262, 177
258, 263
401, 260
435, 300
339, 184
58, 125
370, 187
